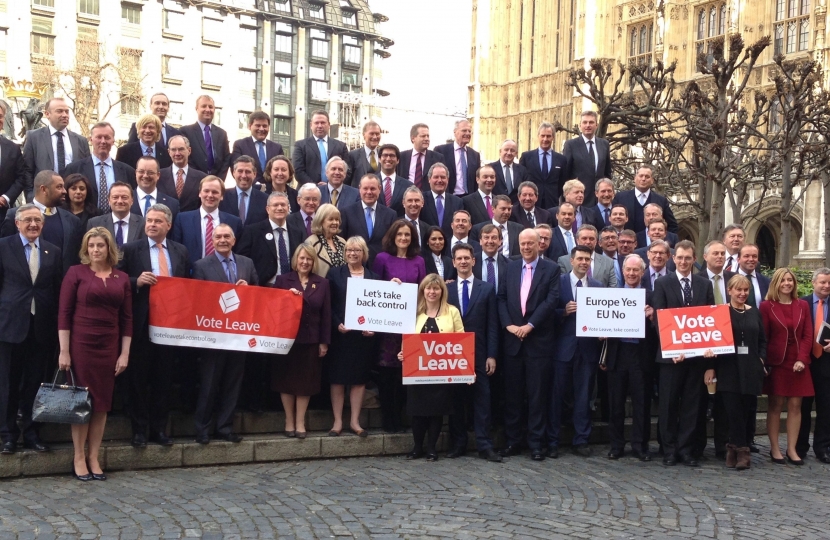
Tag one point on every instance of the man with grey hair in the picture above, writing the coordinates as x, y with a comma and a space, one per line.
180, 180
413, 203
308, 197
588, 156
337, 191
463, 161
365, 159
54, 146
601, 267
415, 164
652, 211
547, 168
14, 177
509, 174
150, 364
439, 205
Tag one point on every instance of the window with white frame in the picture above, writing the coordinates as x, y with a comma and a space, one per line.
173, 22
211, 74
710, 25
89, 7
791, 31
43, 40
130, 14
640, 42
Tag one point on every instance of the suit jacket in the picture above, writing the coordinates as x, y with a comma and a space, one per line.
135, 224
359, 165
590, 216
169, 131
198, 150
346, 195
72, 235
123, 173
401, 185
256, 205
263, 252
727, 275
482, 317
429, 213
449, 158
432, 268
550, 187
602, 272
809, 300
474, 204
581, 166
643, 253
307, 162
635, 211
501, 267
315, 321
646, 347
17, 291
210, 268
519, 215
566, 341
541, 305
430, 159
14, 175
246, 147
39, 156
667, 294
187, 230
190, 193
518, 173
161, 198
353, 223
135, 261
131, 152
763, 284
671, 238
513, 232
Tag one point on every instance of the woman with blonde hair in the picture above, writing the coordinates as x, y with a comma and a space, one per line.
330, 247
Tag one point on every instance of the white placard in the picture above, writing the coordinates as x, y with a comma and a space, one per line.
381, 306
612, 313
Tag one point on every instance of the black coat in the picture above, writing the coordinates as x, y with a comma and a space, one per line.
190, 194
130, 153
744, 373
262, 251
482, 318
198, 151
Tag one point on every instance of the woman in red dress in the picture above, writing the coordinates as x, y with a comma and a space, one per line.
95, 327
787, 325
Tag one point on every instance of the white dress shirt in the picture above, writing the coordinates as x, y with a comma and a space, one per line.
141, 198
753, 280
67, 146
469, 281
594, 149
680, 278
574, 281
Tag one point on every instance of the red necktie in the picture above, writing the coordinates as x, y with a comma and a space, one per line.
419, 171
208, 236
387, 191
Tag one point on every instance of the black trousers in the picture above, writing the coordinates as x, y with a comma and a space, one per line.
256, 384
21, 372
681, 389
149, 380
429, 426
526, 376
627, 379
477, 395
391, 396
820, 371
739, 409
221, 375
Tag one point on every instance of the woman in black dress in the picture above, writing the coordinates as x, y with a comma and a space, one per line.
278, 176
352, 351
79, 198
435, 261
740, 376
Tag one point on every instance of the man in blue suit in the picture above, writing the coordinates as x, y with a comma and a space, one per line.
439, 205
546, 168
820, 372
462, 160
336, 191
195, 229
476, 300
394, 185
577, 358
367, 218
103, 137
257, 146
528, 296
244, 201
146, 194
747, 265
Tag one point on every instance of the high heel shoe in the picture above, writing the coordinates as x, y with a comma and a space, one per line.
95, 476
798, 462
777, 461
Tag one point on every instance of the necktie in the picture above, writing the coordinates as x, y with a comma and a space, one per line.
147, 204
387, 192
818, 349
179, 182
439, 207
231, 272
419, 171
242, 197
642, 198
164, 134
372, 161
34, 266
591, 154
491, 272
508, 178
569, 239
575, 224
417, 230
334, 197
531, 219
164, 268
465, 297
687, 292
209, 149
716, 285
607, 216
324, 159
545, 168
283, 251
119, 234
308, 225
488, 206
751, 299
578, 284
208, 236
463, 180
618, 271
369, 225
261, 154
525, 291
103, 195
590, 273
48, 211
728, 263
149, 151
60, 166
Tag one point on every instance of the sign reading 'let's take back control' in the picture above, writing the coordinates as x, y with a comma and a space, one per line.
381, 306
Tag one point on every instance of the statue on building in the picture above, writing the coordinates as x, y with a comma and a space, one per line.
8, 120
30, 116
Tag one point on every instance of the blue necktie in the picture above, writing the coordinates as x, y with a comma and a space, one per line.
119, 235
369, 225
147, 204
231, 272
324, 159
465, 297
261, 154
439, 206
491, 272
285, 267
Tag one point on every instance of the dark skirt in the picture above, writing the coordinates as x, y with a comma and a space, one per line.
350, 358
298, 373
429, 399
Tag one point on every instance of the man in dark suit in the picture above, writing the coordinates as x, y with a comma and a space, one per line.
604, 196
54, 147
655, 230
509, 230
415, 164
476, 301
123, 225
60, 227
527, 314
652, 212
509, 174
31, 271
490, 264
99, 168
619, 217
528, 213
311, 154
159, 106
573, 191
635, 199
366, 159
367, 218
209, 143
747, 266
308, 197
820, 372
563, 238
221, 371
588, 156
440, 206
151, 364
149, 144
413, 203
658, 255
547, 169
681, 378
733, 237
195, 229
244, 201
462, 160
14, 174
257, 146
336, 191
394, 186
180, 180
147, 193
461, 231
479, 203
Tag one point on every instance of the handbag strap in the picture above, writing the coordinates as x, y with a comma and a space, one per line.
67, 376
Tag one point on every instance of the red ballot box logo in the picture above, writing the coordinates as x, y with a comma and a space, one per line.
439, 358
694, 330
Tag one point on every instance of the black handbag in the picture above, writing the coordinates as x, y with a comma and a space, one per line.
62, 403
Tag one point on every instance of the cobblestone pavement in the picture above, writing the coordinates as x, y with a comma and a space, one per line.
388, 497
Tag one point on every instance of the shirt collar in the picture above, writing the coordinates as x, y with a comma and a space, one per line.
436, 195
456, 146
222, 257
564, 231
575, 279
256, 141
141, 194
247, 191
305, 216
485, 195
646, 193
96, 161
713, 274
52, 131
532, 263
144, 148
586, 139
274, 225
175, 170
202, 126
39, 205
324, 137
540, 151
815, 298
681, 277
203, 213
116, 219
652, 270
26, 241
503, 164
153, 242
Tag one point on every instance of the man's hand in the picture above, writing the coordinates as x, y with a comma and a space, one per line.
570, 307
490, 366
679, 359
146, 278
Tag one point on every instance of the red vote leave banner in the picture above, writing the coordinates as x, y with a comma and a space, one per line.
213, 315
439, 358
694, 330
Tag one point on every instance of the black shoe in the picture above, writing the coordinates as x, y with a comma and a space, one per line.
824, 458
690, 461
552, 452
582, 450
456, 452
615, 454
670, 461
777, 461
489, 455
161, 438
512, 450
414, 455
230, 437
537, 455
102, 477
432, 456
642, 456
9, 448
754, 449
37, 446
202, 439
82, 477
139, 440
792, 461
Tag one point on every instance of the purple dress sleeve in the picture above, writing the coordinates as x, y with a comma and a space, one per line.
68, 298
125, 316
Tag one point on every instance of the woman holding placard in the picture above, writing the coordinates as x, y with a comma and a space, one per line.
740, 376
790, 338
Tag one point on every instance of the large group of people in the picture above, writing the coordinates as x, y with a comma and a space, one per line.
499, 249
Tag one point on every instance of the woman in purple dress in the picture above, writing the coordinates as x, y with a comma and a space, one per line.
401, 263
95, 328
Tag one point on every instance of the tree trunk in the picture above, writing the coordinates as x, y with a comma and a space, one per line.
784, 236
825, 182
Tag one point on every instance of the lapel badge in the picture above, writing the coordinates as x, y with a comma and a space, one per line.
269, 236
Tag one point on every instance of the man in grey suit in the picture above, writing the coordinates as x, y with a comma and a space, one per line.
123, 225
211, 152
221, 371
394, 186
337, 192
311, 153
53, 147
588, 156
366, 159
602, 268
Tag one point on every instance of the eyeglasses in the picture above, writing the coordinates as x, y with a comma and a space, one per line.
31, 220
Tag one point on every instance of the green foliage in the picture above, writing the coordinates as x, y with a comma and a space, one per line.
802, 276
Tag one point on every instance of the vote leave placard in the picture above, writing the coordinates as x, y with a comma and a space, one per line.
694, 330
381, 306
439, 358
212, 315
